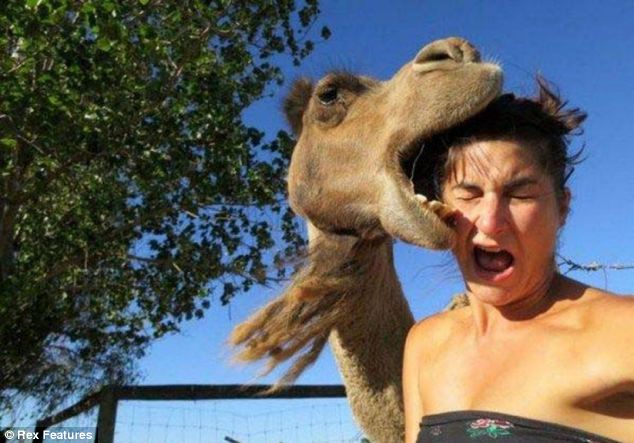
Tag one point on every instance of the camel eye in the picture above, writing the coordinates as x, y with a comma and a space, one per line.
328, 96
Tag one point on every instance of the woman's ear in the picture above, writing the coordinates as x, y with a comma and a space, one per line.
564, 206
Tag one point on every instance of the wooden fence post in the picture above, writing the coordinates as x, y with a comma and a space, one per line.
107, 415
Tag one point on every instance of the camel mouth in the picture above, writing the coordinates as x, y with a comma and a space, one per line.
417, 167
417, 161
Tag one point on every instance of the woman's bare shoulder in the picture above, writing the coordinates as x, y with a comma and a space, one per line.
612, 329
607, 322
608, 307
599, 304
617, 312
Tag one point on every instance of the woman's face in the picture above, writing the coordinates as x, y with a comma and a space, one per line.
508, 220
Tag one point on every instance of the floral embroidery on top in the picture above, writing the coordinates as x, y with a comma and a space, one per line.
487, 427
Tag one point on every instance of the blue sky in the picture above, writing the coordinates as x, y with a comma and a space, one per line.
584, 47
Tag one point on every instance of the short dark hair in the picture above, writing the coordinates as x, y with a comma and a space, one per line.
543, 122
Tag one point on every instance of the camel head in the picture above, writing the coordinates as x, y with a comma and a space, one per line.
354, 168
358, 171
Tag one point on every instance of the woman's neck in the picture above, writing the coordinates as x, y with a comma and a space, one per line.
490, 320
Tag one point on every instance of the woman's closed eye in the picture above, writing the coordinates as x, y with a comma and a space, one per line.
467, 198
523, 189
466, 193
517, 196
522, 196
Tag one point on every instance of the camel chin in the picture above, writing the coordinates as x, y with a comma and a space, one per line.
414, 219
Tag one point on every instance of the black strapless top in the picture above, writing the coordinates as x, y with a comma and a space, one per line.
483, 426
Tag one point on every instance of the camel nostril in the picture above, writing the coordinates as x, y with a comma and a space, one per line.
435, 56
451, 49
439, 51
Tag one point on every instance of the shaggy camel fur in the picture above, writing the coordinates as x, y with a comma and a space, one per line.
353, 177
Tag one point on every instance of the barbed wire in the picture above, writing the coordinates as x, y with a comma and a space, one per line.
590, 267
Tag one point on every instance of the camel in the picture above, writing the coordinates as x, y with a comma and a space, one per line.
354, 177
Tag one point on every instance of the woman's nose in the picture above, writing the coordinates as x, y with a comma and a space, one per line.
491, 216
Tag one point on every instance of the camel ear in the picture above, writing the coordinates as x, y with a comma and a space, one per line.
296, 102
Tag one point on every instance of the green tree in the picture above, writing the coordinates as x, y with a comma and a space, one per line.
130, 187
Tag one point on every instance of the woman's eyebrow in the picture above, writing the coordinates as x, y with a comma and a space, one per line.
468, 186
521, 182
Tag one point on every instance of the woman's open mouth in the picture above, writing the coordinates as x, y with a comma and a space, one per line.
493, 264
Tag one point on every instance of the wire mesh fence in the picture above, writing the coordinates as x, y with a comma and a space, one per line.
201, 414
237, 421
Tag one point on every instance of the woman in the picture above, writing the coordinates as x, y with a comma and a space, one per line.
536, 356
